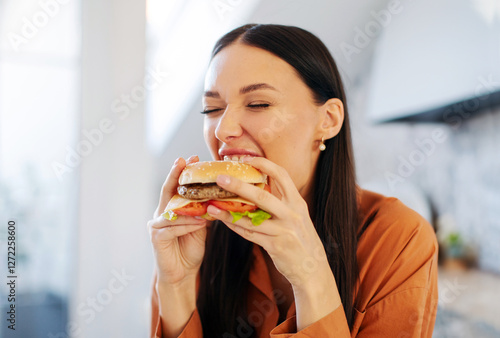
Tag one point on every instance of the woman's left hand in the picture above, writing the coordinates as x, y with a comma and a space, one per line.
289, 237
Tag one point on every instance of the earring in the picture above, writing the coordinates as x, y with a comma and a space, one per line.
322, 144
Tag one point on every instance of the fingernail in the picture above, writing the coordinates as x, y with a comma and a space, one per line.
223, 179
247, 158
177, 161
198, 217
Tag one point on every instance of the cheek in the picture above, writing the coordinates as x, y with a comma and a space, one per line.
273, 128
289, 133
292, 148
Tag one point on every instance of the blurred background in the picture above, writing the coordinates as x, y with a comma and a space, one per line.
98, 98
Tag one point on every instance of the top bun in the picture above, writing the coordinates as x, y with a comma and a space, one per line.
207, 172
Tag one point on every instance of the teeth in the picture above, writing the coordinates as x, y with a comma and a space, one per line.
236, 158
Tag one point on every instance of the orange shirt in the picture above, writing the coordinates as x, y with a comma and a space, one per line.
397, 291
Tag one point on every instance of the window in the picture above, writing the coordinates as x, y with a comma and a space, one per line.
181, 35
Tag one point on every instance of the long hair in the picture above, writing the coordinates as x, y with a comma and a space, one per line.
222, 297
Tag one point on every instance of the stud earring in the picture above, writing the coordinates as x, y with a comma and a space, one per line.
322, 144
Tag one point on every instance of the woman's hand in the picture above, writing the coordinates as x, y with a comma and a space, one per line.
179, 246
289, 238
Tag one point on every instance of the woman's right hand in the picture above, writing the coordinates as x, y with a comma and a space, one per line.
179, 246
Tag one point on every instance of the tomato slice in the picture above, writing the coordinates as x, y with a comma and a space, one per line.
200, 208
233, 206
193, 209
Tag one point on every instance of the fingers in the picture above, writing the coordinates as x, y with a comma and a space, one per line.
172, 232
192, 159
266, 228
163, 229
260, 197
281, 177
169, 187
161, 222
260, 235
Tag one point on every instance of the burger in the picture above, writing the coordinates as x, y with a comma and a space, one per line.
197, 190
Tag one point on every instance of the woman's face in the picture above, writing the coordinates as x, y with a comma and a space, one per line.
259, 106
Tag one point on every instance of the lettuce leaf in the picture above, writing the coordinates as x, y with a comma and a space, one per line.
170, 215
257, 217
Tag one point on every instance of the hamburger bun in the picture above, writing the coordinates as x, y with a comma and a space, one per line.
207, 172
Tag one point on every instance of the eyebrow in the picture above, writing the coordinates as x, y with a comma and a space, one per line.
243, 90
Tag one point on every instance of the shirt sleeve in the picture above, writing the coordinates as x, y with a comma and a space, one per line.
398, 300
332, 325
401, 296
193, 327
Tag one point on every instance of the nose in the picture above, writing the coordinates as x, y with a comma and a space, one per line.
228, 126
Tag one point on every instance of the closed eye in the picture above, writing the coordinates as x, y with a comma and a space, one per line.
211, 111
259, 105
252, 106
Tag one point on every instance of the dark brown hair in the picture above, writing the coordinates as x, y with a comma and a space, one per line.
222, 297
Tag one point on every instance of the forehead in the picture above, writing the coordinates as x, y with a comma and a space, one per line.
241, 64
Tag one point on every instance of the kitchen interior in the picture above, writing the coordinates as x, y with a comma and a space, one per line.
423, 88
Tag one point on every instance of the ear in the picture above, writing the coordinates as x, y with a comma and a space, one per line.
332, 118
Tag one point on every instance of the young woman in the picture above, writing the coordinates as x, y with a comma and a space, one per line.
334, 260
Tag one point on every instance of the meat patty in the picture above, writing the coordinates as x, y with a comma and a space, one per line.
199, 191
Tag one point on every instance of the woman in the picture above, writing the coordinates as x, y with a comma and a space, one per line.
334, 260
